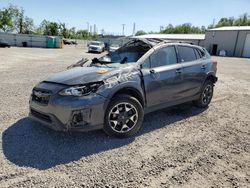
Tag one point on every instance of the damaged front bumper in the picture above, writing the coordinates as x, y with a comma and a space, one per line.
69, 113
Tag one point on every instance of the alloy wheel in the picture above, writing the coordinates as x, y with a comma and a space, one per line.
207, 94
123, 117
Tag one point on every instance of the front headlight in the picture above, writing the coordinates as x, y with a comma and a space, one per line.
81, 90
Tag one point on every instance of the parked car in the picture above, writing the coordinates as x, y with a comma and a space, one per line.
96, 46
73, 42
4, 43
67, 42
115, 91
114, 47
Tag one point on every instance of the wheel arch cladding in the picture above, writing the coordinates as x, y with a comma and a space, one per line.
212, 78
132, 92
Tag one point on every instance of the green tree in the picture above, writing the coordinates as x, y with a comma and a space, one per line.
52, 29
72, 32
243, 20
186, 28
49, 28
64, 31
12, 18
140, 32
28, 25
18, 19
203, 29
225, 22
40, 30
82, 34
6, 22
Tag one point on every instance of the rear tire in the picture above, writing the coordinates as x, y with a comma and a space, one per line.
206, 95
123, 117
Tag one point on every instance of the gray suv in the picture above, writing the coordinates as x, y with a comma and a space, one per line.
115, 91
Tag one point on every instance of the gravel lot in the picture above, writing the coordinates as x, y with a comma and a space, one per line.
179, 146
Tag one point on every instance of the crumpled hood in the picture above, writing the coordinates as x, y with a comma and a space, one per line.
83, 75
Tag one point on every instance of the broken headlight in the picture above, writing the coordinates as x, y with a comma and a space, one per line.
81, 90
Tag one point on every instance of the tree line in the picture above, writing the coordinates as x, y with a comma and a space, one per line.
13, 19
187, 28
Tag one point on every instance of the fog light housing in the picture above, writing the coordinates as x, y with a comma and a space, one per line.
80, 117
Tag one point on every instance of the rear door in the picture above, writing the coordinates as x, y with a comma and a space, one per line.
162, 76
246, 51
194, 69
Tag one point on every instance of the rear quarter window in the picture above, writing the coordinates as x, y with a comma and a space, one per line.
202, 52
197, 53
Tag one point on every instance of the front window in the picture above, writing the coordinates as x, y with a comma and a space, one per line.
162, 57
95, 43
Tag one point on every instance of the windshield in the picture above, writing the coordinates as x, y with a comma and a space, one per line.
116, 57
95, 43
129, 53
114, 45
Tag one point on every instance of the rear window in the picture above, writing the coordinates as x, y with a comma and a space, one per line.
186, 53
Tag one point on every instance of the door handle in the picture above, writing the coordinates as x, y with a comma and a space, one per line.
203, 67
178, 71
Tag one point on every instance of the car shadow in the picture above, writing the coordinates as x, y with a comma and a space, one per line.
26, 143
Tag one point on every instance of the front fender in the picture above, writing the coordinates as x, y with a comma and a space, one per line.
108, 90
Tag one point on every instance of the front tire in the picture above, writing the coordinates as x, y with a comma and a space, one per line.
123, 117
206, 95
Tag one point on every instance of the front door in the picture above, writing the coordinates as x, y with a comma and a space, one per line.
162, 75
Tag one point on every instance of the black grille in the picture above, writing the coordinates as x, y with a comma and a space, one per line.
41, 96
41, 116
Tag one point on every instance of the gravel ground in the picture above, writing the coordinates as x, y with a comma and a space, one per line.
177, 147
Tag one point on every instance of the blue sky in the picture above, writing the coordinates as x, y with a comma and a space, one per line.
148, 15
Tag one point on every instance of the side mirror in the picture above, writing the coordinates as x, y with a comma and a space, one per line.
152, 71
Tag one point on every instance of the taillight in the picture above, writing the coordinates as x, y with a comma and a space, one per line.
214, 62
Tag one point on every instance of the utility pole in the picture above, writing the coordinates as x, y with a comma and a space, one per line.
87, 26
102, 31
94, 29
90, 29
123, 27
133, 29
161, 28
213, 22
